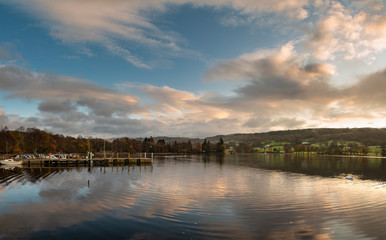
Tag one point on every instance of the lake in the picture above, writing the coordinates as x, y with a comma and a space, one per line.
240, 196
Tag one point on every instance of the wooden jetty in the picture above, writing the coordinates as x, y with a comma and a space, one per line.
141, 158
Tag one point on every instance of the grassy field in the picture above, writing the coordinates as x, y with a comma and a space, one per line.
273, 146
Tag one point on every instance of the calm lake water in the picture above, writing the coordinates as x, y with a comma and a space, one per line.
241, 196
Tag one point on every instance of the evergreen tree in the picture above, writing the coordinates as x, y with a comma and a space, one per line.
220, 146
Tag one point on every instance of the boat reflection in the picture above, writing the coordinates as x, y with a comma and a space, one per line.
9, 173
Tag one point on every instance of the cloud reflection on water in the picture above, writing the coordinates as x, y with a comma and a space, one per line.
215, 199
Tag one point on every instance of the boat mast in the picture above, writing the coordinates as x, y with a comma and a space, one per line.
104, 149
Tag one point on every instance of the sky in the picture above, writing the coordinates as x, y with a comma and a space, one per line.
192, 68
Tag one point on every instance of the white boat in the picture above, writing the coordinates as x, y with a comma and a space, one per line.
349, 177
10, 161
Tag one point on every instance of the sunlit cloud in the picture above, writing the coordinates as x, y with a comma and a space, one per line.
350, 33
108, 22
290, 84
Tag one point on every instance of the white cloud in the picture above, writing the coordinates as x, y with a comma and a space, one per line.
281, 88
108, 22
277, 88
346, 32
289, 93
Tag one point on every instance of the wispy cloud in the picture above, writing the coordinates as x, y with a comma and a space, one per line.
290, 86
109, 22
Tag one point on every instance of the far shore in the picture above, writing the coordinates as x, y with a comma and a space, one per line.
314, 154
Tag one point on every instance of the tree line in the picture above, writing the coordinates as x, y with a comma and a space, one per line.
366, 136
34, 140
330, 141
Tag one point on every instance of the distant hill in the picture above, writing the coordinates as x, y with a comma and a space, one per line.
173, 139
366, 136
321, 140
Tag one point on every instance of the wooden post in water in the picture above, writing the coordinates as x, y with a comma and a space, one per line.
152, 155
104, 150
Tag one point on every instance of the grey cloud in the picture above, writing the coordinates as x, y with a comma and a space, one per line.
61, 93
56, 106
315, 68
277, 76
272, 89
289, 123
282, 88
22, 83
75, 123
15, 121
58, 124
205, 128
33, 120
97, 107
267, 123
124, 126
255, 122
106, 107
369, 91
4, 120
279, 91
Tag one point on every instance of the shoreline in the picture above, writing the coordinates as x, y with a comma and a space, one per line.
331, 155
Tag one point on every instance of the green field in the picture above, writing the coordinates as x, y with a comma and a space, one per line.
274, 146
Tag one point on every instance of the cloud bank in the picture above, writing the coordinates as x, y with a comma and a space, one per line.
279, 89
290, 86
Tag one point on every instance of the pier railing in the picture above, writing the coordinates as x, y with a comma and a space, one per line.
97, 158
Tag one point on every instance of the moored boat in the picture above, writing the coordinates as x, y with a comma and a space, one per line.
10, 161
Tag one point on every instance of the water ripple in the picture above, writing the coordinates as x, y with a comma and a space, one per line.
240, 196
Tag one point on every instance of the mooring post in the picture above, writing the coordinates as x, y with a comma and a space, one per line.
152, 155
